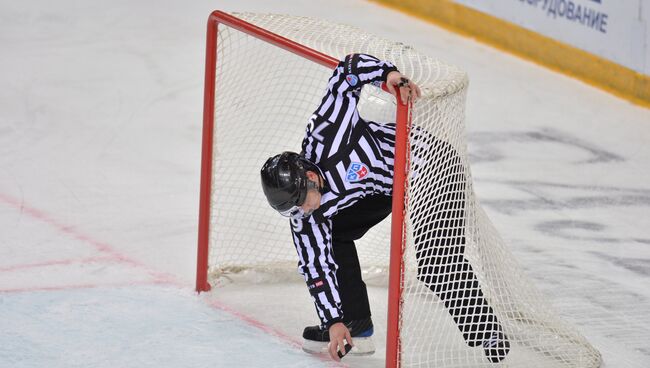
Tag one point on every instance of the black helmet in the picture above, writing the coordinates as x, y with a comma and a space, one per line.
284, 180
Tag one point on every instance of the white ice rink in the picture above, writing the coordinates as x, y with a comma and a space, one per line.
100, 141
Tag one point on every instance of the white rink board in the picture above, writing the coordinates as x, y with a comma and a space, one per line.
621, 32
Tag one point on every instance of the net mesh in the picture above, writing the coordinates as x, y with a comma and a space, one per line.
461, 284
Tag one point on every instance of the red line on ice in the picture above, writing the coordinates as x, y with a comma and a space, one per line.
76, 234
295, 343
159, 278
253, 322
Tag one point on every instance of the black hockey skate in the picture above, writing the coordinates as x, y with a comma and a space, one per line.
496, 346
316, 338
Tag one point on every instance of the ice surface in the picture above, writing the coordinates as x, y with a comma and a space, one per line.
133, 327
100, 120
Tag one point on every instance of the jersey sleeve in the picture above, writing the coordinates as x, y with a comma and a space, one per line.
313, 243
331, 125
359, 70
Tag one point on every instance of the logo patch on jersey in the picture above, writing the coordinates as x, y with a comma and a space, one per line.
316, 286
356, 172
352, 79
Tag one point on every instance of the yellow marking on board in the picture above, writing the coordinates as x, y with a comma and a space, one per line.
589, 68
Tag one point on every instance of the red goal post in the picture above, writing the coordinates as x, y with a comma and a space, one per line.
399, 182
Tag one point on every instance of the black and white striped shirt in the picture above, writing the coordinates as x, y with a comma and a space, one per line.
356, 160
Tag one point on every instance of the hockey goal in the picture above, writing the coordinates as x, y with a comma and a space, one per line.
264, 76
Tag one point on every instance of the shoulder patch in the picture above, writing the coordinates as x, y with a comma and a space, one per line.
352, 79
356, 172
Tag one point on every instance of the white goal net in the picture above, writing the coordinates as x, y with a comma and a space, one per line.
458, 273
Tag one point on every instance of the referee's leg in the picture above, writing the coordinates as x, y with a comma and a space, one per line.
349, 225
439, 232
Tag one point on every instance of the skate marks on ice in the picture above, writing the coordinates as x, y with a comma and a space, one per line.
489, 146
581, 202
608, 305
577, 230
559, 173
575, 214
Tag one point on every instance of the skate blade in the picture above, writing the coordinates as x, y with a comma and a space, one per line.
362, 346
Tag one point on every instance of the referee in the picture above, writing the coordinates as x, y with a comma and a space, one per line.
340, 186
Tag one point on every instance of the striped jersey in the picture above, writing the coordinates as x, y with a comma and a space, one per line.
355, 157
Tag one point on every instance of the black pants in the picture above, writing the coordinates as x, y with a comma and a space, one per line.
349, 225
439, 225
439, 233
